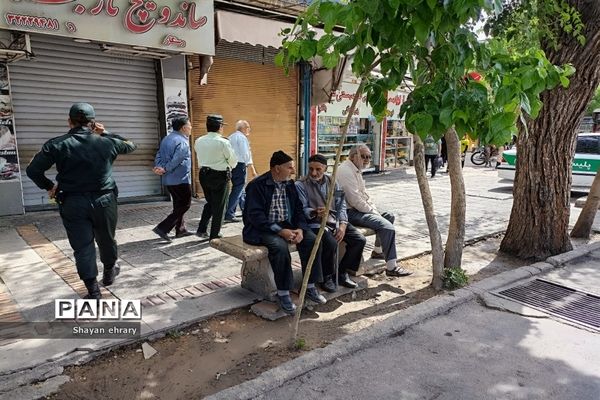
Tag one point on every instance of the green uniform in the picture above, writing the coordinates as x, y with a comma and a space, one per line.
87, 192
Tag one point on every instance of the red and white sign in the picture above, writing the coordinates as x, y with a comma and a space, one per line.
178, 25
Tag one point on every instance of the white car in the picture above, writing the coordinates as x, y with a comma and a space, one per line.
585, 163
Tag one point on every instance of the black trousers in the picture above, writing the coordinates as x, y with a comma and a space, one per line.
430, 159
215, 185
355, 244
281, 260
182, 200
87, 217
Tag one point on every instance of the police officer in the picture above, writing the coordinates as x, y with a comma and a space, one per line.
216, 159
85, 191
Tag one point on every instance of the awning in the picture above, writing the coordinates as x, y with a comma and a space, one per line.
234, 27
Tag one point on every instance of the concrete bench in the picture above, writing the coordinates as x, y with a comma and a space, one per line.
257, 274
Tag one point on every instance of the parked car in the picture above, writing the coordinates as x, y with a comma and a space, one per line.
585, 164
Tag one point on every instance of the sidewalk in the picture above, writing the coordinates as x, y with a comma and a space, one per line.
469, 344
186, 281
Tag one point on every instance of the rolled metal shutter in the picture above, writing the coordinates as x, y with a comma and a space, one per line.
243, 83
121, 89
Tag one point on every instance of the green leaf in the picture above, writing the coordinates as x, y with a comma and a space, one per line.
369, 6
345, 43
460, 114
529, 79
421, 29
432, 3
421, 123
308, 49
501, 122
330, 60
328, 12
279, 59
525, 104
446, 117
325, 42
536, 106
394, 4
564, 81
569, 69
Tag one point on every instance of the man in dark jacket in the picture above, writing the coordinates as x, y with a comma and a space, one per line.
273, 217
85, 191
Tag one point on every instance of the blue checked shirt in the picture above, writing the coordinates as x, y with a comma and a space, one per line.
279, 207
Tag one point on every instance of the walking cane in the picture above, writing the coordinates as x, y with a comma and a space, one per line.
337, 226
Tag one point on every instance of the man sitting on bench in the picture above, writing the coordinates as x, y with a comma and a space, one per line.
362, 212
313, 190
273, 217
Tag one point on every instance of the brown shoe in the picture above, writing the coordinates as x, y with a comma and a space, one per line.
377, 256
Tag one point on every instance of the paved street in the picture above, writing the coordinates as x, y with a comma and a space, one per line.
187, 280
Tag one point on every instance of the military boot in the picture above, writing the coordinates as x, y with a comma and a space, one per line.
93, 289
110, 273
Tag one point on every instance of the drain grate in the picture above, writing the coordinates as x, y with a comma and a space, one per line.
561, 301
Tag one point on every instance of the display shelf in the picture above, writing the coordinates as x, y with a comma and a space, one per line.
329, 133
398, 149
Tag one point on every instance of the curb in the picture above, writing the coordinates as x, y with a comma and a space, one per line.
392, 326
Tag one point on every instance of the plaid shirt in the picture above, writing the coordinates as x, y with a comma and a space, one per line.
279, 210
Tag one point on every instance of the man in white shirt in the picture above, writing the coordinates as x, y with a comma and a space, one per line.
241, 147
215, 159
362, 212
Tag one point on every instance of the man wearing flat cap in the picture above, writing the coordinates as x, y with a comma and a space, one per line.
273, 217
216, 159
313, 190
86, 192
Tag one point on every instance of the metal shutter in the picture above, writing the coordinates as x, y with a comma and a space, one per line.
122, 90
256, 91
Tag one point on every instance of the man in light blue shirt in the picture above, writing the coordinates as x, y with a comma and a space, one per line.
173, 163
241, 147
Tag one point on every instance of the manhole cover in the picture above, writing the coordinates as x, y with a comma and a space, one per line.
561, 301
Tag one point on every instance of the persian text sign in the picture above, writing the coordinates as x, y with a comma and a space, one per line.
177, 25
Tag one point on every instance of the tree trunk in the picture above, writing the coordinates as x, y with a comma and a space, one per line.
583, 226
456, 229
539, 220
435, 238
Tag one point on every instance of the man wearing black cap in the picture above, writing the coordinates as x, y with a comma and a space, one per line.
216, 159
313, 190
85, 191
273, 217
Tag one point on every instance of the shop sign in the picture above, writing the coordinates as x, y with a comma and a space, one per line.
176, 25
342, 100
395, 101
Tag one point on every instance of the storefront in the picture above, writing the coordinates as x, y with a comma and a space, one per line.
327, 121
398, 150
119, 56
244, 84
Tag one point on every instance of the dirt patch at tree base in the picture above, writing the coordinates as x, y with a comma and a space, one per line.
225, 351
